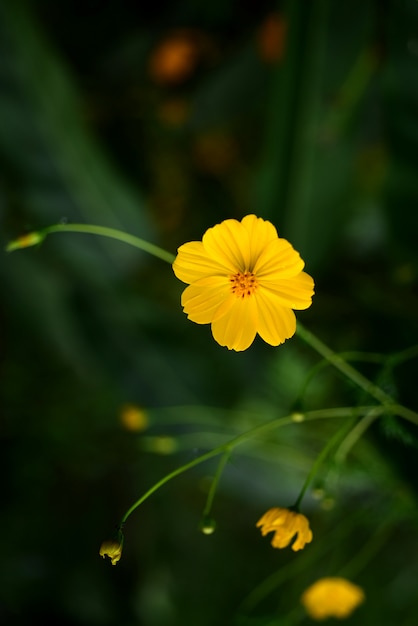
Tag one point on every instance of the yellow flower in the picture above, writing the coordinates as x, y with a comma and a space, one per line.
134, 418
243, 280
286, 525
113, 549
332, 597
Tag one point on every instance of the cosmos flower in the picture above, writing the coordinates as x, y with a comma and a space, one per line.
332, 597
243, 279
286, 525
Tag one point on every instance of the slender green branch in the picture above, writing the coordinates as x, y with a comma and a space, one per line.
91, 229
331, 443
354, 435
221, 466
261, 429
361, 381
170, 476
337, 361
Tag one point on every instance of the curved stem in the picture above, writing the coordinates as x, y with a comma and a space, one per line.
361, 381
215, 482
337, 361
165, 479
92, 229
339, 412
320, 459
354, 435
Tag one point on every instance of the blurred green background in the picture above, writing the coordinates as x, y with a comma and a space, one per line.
163, 119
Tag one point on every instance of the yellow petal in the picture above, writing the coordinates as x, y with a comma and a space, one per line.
237, 329
294, 293
271, 519
275, 323
203, 298
228, 244
260, 233
281, 538
280, 259
304, 534
193, 262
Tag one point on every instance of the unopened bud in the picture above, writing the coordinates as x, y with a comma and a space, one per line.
26, 241
207, 526
112, 548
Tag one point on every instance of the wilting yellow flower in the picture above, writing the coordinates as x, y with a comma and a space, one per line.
332, 597
112, 549
286, 526
243, 280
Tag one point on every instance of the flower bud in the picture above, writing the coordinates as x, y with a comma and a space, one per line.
26, 241
207, 525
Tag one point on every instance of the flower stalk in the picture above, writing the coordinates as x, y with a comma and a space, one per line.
91, 229
257, 431
215, 482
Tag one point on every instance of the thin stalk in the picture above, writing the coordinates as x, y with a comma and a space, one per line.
340, 412
354, 435
215, 482
92, 229
338, 361
320, 459
354, 375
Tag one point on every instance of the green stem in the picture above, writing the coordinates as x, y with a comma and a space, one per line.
320, 459
170, 476
103, 231
361, 381
337, 361
261, 429
215, 482
354, 435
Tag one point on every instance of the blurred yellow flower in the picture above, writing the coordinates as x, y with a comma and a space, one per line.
113, 549
133, 418
243, 279
286, 526
332, 597
175, 58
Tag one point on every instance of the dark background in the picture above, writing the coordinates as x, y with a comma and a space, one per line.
162, 119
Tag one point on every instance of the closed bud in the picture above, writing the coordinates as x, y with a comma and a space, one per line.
26, 241
112, 548
207, 525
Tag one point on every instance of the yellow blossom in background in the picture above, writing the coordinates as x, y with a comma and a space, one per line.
175, 58
332, 597
243, 279
286, 525
112, 549
162, 444
133, 418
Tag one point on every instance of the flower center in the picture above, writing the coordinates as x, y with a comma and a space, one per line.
243, 284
